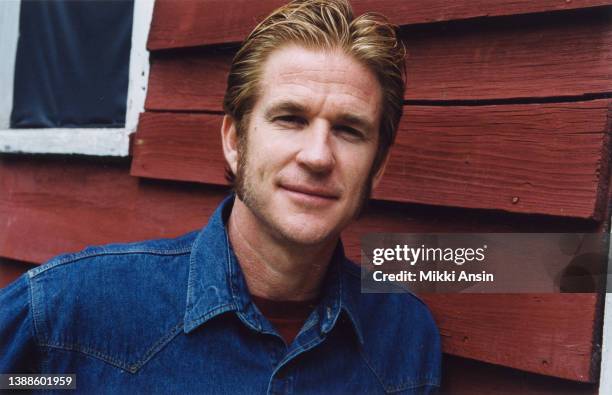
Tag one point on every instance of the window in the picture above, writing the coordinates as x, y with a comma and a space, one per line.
75, 79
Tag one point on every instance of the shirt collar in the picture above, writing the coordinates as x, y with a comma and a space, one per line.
216, 284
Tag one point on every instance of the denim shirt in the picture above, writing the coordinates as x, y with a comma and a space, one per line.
175, 316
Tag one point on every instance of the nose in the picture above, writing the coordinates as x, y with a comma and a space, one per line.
316, 153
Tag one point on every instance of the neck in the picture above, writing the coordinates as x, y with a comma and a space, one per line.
273, 268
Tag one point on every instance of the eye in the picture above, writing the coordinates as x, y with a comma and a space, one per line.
350, 132
290, 120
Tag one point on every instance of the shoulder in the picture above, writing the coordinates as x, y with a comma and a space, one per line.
132, 291
401, 339
18, 349
104, 273
122, 253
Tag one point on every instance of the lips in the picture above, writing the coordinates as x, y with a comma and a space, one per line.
314, 192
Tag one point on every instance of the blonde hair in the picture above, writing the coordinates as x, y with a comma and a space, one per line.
322, 24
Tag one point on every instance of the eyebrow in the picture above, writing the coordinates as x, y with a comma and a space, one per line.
286, 106
298, 108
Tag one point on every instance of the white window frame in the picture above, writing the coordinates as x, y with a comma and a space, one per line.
85, 141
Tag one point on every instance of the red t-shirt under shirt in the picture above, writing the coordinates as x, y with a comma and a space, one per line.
287, 317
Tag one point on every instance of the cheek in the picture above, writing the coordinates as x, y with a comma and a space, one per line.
267, 155
275, 149
357, 166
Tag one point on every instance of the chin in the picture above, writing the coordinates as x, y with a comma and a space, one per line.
306, 233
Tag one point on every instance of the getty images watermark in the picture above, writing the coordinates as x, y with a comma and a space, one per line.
412, 256
490, 262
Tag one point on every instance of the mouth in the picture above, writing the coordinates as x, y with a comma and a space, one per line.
310, 195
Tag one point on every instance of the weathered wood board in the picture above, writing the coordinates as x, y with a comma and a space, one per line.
536, 158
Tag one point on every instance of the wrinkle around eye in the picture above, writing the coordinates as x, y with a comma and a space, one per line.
351, 134
290, 120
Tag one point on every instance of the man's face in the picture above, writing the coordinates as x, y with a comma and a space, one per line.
304, 167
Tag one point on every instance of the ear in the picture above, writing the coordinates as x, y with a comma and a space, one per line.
380, 171
230, 142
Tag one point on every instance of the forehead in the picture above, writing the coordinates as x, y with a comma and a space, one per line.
324, 80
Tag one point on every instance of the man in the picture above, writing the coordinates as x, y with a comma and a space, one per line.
262, 300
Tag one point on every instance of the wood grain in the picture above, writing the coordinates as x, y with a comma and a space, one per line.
84, 202
549, 319
205, 22
184, 147
52, 206
538, 158
189, 81
462, 376
526, 58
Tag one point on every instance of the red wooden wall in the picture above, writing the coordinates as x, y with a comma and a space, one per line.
506, 129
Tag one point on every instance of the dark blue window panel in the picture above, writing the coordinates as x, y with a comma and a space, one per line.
72, 63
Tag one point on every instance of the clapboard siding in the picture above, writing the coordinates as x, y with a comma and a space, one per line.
535, 158
188, 81
530, 318
568, 55
111, 206
83, 202
205, 22
185, 147
462, 376
65, 205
